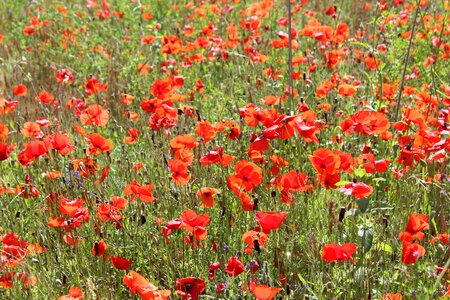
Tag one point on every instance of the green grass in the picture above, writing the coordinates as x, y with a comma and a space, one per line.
294, 250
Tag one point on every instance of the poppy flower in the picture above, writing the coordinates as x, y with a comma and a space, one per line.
180, 173
92, 86
7, 107
120, 263
366, 122
74, 293
190, 288
359, 190
183, 141
94, 114
98, 144
5, 150
270, 220
20, 90
71, 240
234, 267
333, 252
294, 181
416, 223
411, 252
3, 132
139, 284
263, 292
160, 89
132, 138
192, 221
99, 248
216, 155
247, 174
442, 237
346, 90
390, 296
33, 150
59, 142
325, 161
206, 195
254, 239
64, 76
143, 192
32, 130
205, 130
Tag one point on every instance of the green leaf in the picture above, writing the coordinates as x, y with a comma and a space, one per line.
363, 204
383, 246
342, 183
366, 235
360, 172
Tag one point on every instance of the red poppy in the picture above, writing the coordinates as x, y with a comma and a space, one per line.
206, 195
205, 130
216, 155
413, 230
60, 142
7, 107
33, 150
5, 150
20, 90
247, 175
190, 288
270, 220
366, 122
138, 284
250, 237
94, 114
234, 267
132, 138
442, 237
120, 262
72, 240
333, 252
346, 90
7, 280
99, 248
325, 161
98, 144
74, 293
180, 173
183, 141
46, 97
390, 296
294, 181
416, 223
3, 132
359, 190
191, 219
411, 252
161, 88
143, 192
263, 292
64, 76
32, 130
92, 86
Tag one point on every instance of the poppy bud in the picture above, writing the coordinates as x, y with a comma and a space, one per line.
254, 266
256, 246
342, 214
220, 287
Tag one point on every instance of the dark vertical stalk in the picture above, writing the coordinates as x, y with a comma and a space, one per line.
406, 62
291, 85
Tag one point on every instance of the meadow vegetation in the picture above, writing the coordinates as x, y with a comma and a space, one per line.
166, 150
